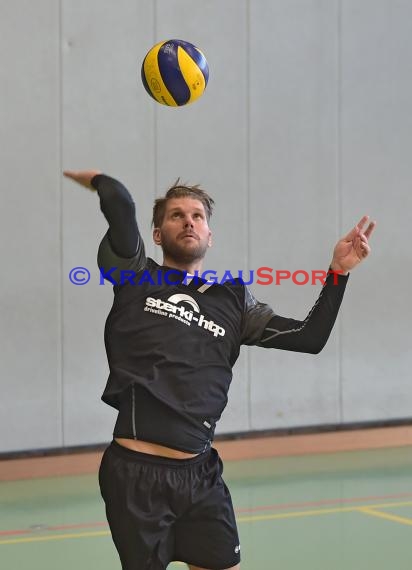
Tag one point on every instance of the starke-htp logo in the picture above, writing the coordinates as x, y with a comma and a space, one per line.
176, 308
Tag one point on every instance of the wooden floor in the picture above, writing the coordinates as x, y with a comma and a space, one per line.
246, 448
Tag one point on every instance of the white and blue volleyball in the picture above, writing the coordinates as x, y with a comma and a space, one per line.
175, 73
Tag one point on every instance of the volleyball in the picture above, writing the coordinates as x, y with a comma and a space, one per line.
175, 73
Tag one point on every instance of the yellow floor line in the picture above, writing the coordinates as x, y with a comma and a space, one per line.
318, 512
293, 515
55, 537
367, 509
388, 516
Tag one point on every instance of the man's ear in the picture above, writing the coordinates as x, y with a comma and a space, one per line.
210, 242
157, 237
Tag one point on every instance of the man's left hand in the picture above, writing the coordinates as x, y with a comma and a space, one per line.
353, 248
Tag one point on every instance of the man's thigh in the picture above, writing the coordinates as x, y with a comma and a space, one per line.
140, 520
207, 536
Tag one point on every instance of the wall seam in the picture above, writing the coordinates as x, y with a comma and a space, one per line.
61, 264
339, 186
247, 216
155, 128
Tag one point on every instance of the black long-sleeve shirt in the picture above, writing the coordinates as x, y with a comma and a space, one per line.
171, 341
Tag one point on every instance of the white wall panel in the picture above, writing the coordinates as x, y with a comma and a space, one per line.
293, 195
108, 125
376, 127
30, 403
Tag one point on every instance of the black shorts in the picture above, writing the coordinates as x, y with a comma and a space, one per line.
160, 510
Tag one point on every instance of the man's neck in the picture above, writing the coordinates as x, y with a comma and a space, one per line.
191, 267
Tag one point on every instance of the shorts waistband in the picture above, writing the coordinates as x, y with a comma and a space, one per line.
140, 457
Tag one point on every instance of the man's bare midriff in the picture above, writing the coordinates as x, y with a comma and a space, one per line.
153, 448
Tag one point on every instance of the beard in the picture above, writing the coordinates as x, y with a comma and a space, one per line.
181, 253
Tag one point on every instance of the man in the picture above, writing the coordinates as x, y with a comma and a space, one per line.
172, 340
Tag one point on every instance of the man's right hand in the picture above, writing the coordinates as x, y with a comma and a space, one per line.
82, 177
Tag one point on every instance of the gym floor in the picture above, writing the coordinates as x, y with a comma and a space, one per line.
343, 510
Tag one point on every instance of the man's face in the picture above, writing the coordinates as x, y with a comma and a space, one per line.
184, 234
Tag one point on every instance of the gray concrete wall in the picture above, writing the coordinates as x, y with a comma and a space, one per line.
305, 126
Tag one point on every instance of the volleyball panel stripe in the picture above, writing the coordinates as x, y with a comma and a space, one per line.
192, 75
171, 74
152, 79
197, 56
145, 84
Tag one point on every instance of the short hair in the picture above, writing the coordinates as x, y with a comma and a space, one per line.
181, 191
